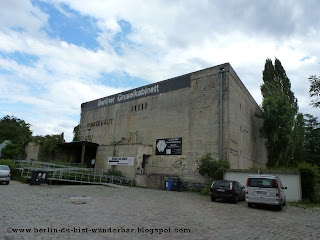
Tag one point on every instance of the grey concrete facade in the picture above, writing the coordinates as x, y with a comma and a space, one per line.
32, 150
128, 125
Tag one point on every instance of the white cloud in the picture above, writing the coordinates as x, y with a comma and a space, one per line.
167, 39
22, 15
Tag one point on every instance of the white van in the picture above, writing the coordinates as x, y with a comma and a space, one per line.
265, 189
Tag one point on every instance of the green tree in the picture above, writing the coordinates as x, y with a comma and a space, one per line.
279, 107
76, 133
213, 168
312, 144
314, 90
299, 140
49, 145
18, 132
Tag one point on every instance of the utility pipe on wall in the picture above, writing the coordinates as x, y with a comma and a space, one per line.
220, 114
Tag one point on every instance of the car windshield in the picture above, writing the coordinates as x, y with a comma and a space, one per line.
224, 184
4, 168
262, 182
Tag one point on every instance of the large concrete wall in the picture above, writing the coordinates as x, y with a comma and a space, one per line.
32, 150
190, 113
246, 146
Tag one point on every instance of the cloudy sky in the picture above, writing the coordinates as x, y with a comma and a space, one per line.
55, 55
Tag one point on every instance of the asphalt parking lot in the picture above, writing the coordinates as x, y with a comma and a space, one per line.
49, 212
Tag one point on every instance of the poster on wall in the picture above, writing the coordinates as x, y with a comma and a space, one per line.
169, 146
122, 161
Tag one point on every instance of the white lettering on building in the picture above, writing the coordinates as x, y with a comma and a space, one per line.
106, 101
130, 95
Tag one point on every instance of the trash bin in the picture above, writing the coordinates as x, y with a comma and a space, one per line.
38, 177
168, 184
176, 185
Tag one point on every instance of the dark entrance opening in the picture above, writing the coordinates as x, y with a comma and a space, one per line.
145, 164
80, 152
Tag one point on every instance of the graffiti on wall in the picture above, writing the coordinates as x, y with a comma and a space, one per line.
84, 135
100, 123
135, 138
180, 164
88, 138
196, 163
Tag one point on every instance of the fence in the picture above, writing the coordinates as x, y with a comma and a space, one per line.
59, 172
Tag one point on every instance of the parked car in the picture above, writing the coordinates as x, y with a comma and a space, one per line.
265, 189
226, 189
5, 174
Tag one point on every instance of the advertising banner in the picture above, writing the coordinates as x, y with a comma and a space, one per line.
169, 146
122, 161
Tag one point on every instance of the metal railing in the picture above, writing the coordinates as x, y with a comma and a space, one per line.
59, 172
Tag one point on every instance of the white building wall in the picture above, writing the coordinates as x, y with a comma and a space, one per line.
289, 179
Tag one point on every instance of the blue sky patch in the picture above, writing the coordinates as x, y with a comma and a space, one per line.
21, 58
17, 29
121, 38
305, 58
75, 28
20, 108
5, 71
122, 80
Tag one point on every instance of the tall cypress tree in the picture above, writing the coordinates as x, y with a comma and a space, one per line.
314, 91
285, 85
279, 107
299, 140
312, 144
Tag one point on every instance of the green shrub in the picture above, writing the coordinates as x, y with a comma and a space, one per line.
213, 168
309, 178
115, 173
134, 183
206, 190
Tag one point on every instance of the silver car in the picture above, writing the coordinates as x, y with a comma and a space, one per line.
265, 189
5, 174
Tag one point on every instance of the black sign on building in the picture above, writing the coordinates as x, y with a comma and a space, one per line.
169, 146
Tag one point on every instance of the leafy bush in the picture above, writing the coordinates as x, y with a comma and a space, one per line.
134, 183
212, 167
206, 190
17, 131
115, 173
309, 181
49, 145
13, 151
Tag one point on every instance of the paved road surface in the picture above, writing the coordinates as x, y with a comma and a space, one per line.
136, 213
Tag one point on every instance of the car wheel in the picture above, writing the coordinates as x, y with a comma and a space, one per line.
235, 199
213, 198
249, 204
279, 207
7, 183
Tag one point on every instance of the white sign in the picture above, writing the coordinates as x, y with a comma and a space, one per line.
124, 161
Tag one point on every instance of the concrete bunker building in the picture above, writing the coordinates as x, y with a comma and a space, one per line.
164, 128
